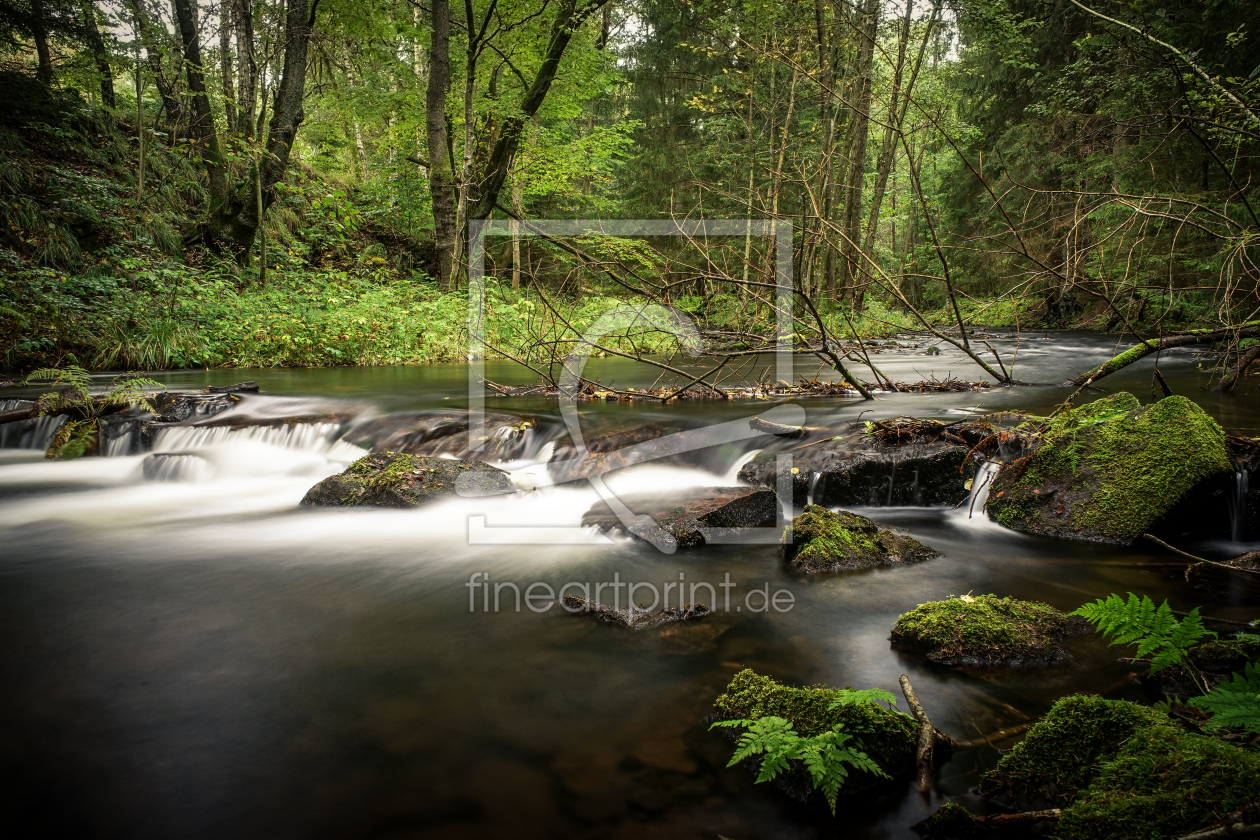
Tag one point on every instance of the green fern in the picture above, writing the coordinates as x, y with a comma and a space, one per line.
1157, 633
826, 757
874, 696
77, 438
1235, 702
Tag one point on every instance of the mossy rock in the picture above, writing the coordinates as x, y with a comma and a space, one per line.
887, 737
1109, 470
986, 630
400, 480
951, 822
822, 541
1122, 771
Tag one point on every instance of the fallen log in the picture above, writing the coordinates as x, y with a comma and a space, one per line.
1146, 348
1239, 370
777, 429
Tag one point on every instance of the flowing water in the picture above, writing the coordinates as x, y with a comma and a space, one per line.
187, 653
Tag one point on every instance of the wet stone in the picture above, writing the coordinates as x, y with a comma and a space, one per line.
401, 480
633, 617
691, 517
820, 540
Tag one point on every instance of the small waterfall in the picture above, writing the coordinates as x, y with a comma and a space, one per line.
27, 434
813, 483
295, 436
175, 466
980, 489
1238, 507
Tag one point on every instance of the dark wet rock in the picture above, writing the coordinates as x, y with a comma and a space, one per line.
1216, 660
250, 387
176, 407
820, 540
887, 737
610, 448
691, 517
506, 437
402, 480
636, 618
986, 630
1249, 561
857, 471
1122, 771
1109, 470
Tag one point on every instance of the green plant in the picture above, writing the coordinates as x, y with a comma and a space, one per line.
1157, 633
1235, 702
80, 436
826, 757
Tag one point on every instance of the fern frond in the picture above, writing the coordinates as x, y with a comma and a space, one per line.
852, 697
1155, 631
72, 375
1235, 702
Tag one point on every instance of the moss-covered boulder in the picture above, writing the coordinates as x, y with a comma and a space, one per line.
1108, 470
820, 540
986, 630
887, 737
1122, 771
400, 480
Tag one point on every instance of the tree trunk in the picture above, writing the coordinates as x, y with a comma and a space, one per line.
441, 172
97, 45
202, 125
152, 42
568, 19
237, 223
39, 31
856, 178
225, 63
246, 67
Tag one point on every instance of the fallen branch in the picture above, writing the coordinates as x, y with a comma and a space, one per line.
927, 737
1237, 829
777, 429
1199, 559
1023, 817
987, 740
1239, 370
1146, 348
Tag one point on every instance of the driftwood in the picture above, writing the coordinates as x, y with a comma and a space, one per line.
777, 429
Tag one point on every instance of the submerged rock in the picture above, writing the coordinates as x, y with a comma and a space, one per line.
986, 630
1124, 771
402, 480
886, 736
849, 470
1109, 470
822, 541
636, 618
692, 517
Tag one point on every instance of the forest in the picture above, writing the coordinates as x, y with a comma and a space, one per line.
366, 369
293, 184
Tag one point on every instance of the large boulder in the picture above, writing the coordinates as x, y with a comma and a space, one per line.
402, 480
1109, 470
822, 541
851, 470
691, 517
1124, 771
986, 630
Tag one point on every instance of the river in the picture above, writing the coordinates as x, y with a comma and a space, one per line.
202, 658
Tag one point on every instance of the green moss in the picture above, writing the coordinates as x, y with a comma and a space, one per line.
399, 479
887, 737
984, 629
822, 540
951, 822
1062, 753
1108, 470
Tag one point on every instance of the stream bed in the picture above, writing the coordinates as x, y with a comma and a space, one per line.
203, 658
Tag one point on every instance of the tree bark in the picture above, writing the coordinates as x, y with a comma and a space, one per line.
1245, 360
97, 45
246, 67
202, 125
152, 42
225, 63
441, 172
